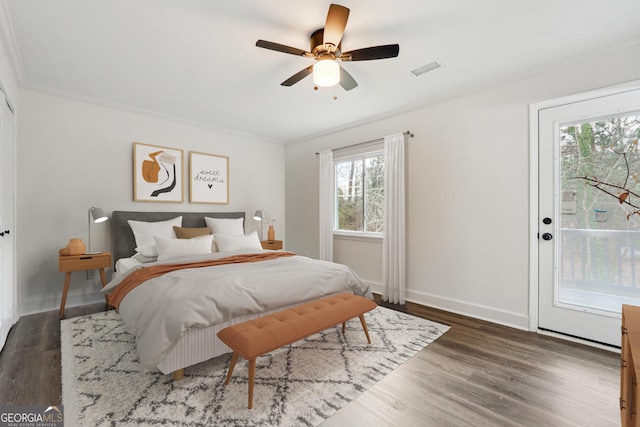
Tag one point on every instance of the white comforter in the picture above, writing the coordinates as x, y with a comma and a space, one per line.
159, 311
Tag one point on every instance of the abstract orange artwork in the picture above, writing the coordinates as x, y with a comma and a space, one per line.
157, 173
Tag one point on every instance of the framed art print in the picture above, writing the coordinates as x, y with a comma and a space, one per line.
157, 173
208, 178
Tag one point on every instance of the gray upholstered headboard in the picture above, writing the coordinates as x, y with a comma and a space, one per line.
124, 243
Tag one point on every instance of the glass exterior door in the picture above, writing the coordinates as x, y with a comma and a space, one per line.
589, 247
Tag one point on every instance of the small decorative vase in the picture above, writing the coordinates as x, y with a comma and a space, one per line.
271, 233
76, 246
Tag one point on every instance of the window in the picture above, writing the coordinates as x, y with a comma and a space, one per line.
360, 193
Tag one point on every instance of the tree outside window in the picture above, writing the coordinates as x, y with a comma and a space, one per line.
360, 193
593, 149
600, 176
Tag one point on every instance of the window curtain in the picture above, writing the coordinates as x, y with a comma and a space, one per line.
394, 240
327, 211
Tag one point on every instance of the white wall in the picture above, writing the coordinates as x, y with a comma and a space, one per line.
73, 155
467, 196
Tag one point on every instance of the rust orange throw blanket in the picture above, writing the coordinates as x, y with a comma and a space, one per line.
143, 274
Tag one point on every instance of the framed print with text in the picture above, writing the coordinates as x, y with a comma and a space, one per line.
157, 173
208, 178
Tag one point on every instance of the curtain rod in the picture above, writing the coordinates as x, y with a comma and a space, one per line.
359, 144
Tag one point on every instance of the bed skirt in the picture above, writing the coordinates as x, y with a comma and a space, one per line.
200, 344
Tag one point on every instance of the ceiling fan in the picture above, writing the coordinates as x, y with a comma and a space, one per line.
326, 49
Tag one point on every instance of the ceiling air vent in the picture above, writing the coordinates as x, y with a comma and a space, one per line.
426, 68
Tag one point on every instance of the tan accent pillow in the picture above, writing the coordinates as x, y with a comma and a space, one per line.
190, 233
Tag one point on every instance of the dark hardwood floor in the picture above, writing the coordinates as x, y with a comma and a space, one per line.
477, 374
30, 370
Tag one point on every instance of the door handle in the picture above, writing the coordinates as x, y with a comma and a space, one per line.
547, 236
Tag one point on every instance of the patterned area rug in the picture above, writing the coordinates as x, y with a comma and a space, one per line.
301, 384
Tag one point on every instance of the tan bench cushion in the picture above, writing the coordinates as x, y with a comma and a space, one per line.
256, 337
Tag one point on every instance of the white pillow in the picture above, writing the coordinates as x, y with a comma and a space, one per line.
234, 243
144, 232
143, 258
170, 248
149, 250
226, 226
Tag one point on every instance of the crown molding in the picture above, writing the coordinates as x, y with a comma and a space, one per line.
144, 112
9, 41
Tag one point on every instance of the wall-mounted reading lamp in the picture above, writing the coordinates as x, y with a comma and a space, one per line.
98, 216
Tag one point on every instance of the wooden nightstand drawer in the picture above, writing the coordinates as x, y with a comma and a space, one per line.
84, 262
69, 263
271, 244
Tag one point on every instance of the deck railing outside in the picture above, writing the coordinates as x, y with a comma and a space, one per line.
605, 261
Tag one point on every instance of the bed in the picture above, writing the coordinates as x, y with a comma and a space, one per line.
277, 281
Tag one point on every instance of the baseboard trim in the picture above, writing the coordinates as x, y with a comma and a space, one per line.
477, 311
490, 314
50, 304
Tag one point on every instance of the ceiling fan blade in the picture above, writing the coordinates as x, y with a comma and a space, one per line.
298, 76
370, 53
346, 80
281, 48
335, 24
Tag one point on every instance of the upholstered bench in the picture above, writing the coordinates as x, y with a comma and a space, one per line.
256, 337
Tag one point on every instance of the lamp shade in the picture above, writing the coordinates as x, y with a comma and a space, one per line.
326, 72
258, 215
98, 215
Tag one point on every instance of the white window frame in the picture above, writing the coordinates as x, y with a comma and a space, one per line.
349, 234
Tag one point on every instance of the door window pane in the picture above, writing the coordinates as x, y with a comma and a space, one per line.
599, 263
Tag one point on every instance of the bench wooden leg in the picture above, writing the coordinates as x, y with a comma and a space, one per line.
344, 326
364, 326
232, 365
252, 376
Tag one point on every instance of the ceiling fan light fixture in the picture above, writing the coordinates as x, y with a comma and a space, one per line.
326, 72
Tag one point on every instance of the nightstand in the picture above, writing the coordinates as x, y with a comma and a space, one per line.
70, 263
271, 244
